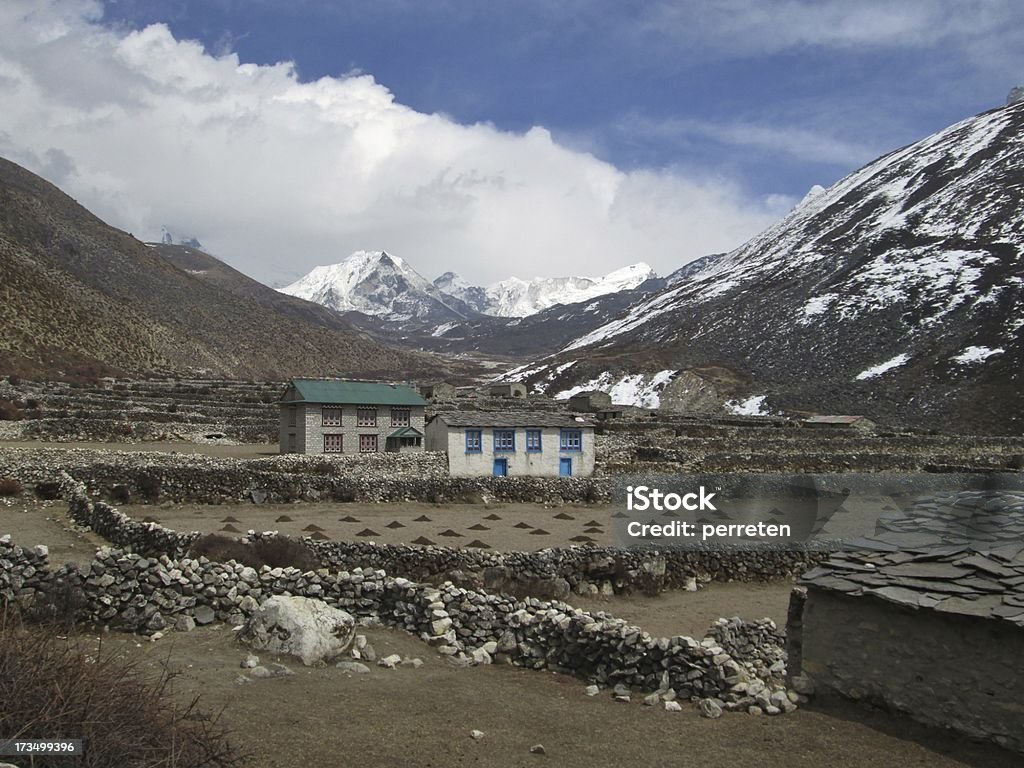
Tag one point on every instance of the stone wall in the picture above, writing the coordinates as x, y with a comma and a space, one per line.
577, 569
148, 595
381, 477
942, 669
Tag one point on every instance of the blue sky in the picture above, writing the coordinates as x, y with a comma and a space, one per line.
688, 126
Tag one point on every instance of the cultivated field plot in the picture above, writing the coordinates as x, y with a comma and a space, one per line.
505, 527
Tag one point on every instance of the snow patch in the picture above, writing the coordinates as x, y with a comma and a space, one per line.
752, 406
976, 355
878, 370
639, 389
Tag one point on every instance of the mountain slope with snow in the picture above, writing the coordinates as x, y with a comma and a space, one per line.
874, 296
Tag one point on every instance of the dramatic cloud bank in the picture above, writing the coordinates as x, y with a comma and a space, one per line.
277, 175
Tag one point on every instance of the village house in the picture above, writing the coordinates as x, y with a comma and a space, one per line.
336, 416
513, 444
859, 423
513, 389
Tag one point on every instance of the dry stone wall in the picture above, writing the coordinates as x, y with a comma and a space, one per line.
381, 477
153, 594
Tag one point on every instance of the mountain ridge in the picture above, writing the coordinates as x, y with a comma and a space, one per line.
897, 293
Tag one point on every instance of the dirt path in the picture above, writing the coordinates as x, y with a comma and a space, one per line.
422, 717
31, 522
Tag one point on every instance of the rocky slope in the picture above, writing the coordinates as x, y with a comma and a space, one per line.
897, 293
80, 297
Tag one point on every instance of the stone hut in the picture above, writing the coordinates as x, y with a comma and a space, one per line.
590, 401
855, 423
440, 391
514, 389
925, 617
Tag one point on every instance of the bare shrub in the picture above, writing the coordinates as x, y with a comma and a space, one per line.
149, 486
51, 686
48, 490
120, 494
9, 411
220, 548
276, 551
282, 552
10, 487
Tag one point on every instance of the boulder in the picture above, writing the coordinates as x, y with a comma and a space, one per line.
304, 627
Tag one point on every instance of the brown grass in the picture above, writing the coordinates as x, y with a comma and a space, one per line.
53, 687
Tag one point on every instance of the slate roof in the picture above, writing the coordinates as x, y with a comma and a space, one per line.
510, 419
346, 392
957, 553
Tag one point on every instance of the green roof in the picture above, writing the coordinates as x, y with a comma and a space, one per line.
406, 432
350, 392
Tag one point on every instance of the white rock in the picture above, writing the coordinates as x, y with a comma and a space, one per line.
476, 735
673, 706
390, 662
304, 627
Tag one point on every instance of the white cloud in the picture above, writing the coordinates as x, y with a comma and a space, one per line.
277, 175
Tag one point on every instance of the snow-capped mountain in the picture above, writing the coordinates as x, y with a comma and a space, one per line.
383, 285
515, 297
896, 293
380, 284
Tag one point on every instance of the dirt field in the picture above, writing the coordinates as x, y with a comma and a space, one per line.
517, 527
422, 717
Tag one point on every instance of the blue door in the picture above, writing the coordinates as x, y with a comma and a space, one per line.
500, 467
565, 467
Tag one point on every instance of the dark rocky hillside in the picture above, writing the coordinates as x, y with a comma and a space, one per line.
898, 293
79, 296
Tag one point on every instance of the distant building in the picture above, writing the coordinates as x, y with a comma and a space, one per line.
336, 416
438, 392
860, 423
591, 401
513, 389
500, 444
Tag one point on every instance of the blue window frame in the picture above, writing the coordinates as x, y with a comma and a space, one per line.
533, 442
504, 439
571, 440
473, 442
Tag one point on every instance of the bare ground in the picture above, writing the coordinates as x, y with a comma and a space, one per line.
422, 717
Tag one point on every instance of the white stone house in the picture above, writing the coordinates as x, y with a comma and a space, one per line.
512, 444
338, 416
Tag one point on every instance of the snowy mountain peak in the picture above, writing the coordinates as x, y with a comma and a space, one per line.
383, 285
375, 283
515, 297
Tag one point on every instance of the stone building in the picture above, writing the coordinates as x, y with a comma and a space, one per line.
590, 401
510, 444
513, 389
337, 416
925, 617
855, 423
440, 391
